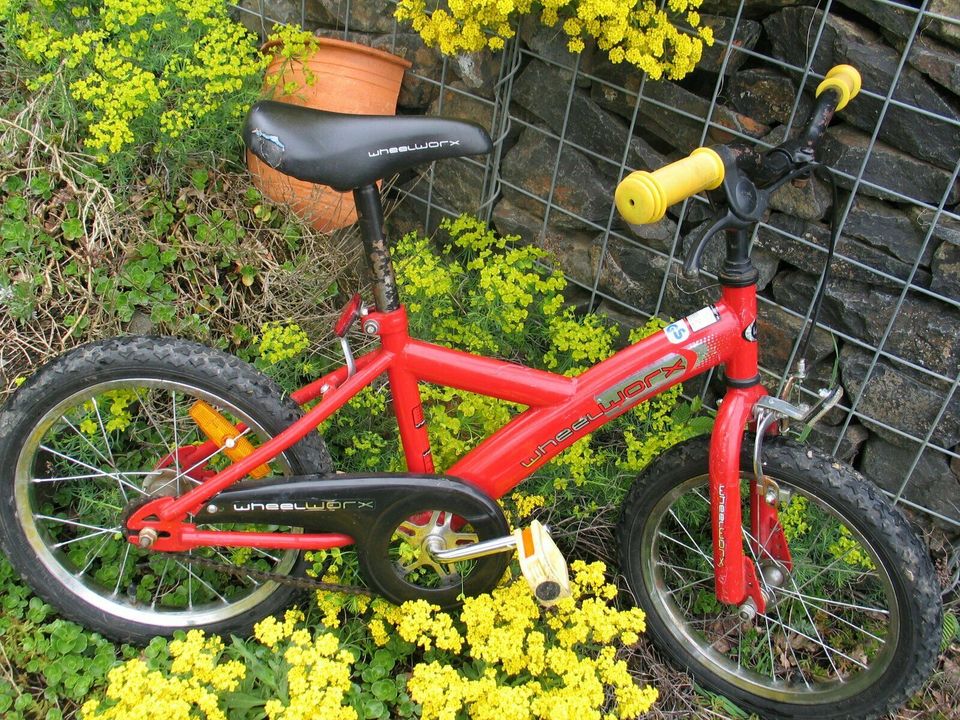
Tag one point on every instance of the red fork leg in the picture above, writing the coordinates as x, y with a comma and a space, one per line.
735, 574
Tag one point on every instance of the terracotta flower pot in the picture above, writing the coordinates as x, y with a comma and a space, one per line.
341, 77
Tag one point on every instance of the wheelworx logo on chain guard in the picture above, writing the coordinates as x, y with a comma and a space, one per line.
348, 504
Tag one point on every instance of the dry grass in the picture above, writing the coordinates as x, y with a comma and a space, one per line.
296, 284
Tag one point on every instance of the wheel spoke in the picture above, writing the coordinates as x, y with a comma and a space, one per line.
82, 464
163, 576
150, 418
685, 531
227, 560
689, 585
76, 523
91, 557
123, 567
846, 622
83, 436
827, 601
96, 533
103, 432
88, 476
696, 550
818, 641
200, 463
176, 439
203, 582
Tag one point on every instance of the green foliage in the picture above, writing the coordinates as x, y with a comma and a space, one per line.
150, 81
492, 296
640, 33
950, 631
192, 264
43, 651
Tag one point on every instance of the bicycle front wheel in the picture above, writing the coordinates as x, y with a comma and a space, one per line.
109, 426
851, 629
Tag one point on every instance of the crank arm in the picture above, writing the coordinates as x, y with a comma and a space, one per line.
541, 562
474, 550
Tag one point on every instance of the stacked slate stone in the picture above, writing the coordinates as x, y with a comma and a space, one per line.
612, 121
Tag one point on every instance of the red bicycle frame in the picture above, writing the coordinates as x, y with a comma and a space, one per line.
560, 411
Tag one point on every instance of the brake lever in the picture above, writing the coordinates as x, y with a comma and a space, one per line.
691, 261
746, 204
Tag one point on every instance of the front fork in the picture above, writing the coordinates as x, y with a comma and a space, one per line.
735, 573
737, 582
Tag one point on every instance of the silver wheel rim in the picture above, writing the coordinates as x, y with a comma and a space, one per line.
99, 465
791, 659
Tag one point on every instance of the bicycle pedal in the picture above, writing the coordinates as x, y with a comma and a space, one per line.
542, 564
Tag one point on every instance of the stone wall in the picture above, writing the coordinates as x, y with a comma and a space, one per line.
568, 127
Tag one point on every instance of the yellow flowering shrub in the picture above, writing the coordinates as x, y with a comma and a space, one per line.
533, 663
636, 31
114, 416
847, 549
501, 656
796, 519
491, 295
192, 687
279, 341
165, 78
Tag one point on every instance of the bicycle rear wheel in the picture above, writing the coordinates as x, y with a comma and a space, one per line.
852, 629
108, 426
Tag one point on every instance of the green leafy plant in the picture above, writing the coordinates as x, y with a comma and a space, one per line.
951, 630
638, 32
161, 80
49, 665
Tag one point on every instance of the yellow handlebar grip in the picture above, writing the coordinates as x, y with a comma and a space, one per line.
845, 80
643, 197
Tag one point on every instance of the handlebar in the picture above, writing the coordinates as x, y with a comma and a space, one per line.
643, 197
845, 80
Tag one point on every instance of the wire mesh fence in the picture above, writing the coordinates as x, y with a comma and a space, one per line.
567, 127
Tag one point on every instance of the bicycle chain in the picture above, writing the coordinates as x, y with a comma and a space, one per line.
239, 572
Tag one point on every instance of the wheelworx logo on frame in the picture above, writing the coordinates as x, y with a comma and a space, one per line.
614, 400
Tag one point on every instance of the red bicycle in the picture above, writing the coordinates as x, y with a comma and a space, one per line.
152, 484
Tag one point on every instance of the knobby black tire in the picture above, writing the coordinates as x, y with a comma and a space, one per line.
669, 500
43, 418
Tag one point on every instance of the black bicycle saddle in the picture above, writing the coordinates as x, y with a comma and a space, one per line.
351, 151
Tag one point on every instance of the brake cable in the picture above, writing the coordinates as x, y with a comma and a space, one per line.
810, 325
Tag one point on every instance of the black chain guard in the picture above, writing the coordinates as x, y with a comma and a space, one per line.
368, 508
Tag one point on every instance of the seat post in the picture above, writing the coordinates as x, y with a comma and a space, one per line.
370, 211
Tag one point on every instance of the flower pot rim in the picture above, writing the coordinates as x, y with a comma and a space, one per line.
347, 45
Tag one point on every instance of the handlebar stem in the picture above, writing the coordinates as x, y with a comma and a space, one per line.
819, 120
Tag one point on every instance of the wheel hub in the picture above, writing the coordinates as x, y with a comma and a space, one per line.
162, 482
